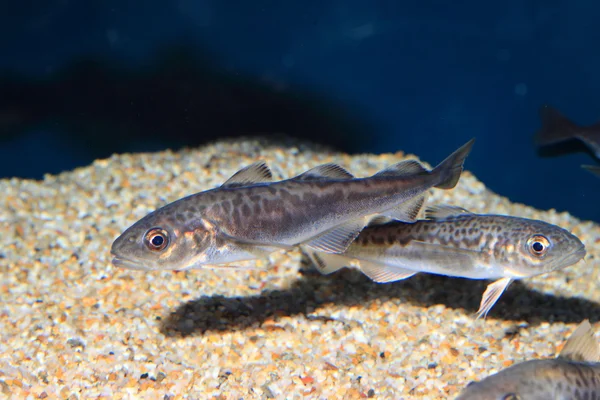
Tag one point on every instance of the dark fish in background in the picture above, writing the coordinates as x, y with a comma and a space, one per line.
557, 128
593, 169
574, 374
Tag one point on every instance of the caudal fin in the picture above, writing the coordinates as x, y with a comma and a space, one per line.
555, 127
593, 169
450, 169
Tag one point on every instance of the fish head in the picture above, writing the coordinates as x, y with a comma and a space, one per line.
533, 247
531, 380
161, 242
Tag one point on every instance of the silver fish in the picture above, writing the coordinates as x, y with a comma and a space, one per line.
574, 374
249, 217
452, 241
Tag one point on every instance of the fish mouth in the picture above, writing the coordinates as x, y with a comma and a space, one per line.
575, 256
121, 262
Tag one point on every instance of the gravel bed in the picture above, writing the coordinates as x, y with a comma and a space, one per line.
73, 326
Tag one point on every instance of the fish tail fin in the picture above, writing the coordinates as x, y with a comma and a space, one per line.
555, 127
592, 168
451, 168
581, 345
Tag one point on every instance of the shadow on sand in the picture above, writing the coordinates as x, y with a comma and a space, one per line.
350, 287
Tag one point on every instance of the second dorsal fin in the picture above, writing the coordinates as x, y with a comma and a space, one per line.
258, 172
403, 168
445, 211
324, 171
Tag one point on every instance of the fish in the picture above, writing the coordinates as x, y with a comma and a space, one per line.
573, 374
593, 169
557, 128
453, 241
250, 216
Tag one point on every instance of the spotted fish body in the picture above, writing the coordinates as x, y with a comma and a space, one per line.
574, 374
455, 242
249, 216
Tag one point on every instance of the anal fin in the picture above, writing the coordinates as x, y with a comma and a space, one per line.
338, 239
383, 273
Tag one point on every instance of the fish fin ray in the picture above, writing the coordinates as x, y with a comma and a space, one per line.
338, 239
383, 273
327, 263
581, 346
491, 295
594, 169
408, 210
258, 172
403, 168
323, 172
444, 211
451, 168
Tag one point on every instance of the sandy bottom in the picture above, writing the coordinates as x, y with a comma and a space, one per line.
73, 326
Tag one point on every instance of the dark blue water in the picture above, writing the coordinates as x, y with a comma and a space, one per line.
82, 80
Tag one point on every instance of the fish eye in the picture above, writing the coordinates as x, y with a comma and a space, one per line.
156, 239
510, 396
538, 245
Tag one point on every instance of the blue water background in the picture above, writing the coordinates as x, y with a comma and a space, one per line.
423, 77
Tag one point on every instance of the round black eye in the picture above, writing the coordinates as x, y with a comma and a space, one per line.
538, 245
156, 239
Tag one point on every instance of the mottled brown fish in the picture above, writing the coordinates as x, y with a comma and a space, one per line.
573, 375
249, 217
452, 241
557, 128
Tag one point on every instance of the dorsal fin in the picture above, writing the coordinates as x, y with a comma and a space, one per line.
403, 168
324, 171
581, 345
445, 211
258, 172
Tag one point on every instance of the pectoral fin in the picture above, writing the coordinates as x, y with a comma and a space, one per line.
491, 296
